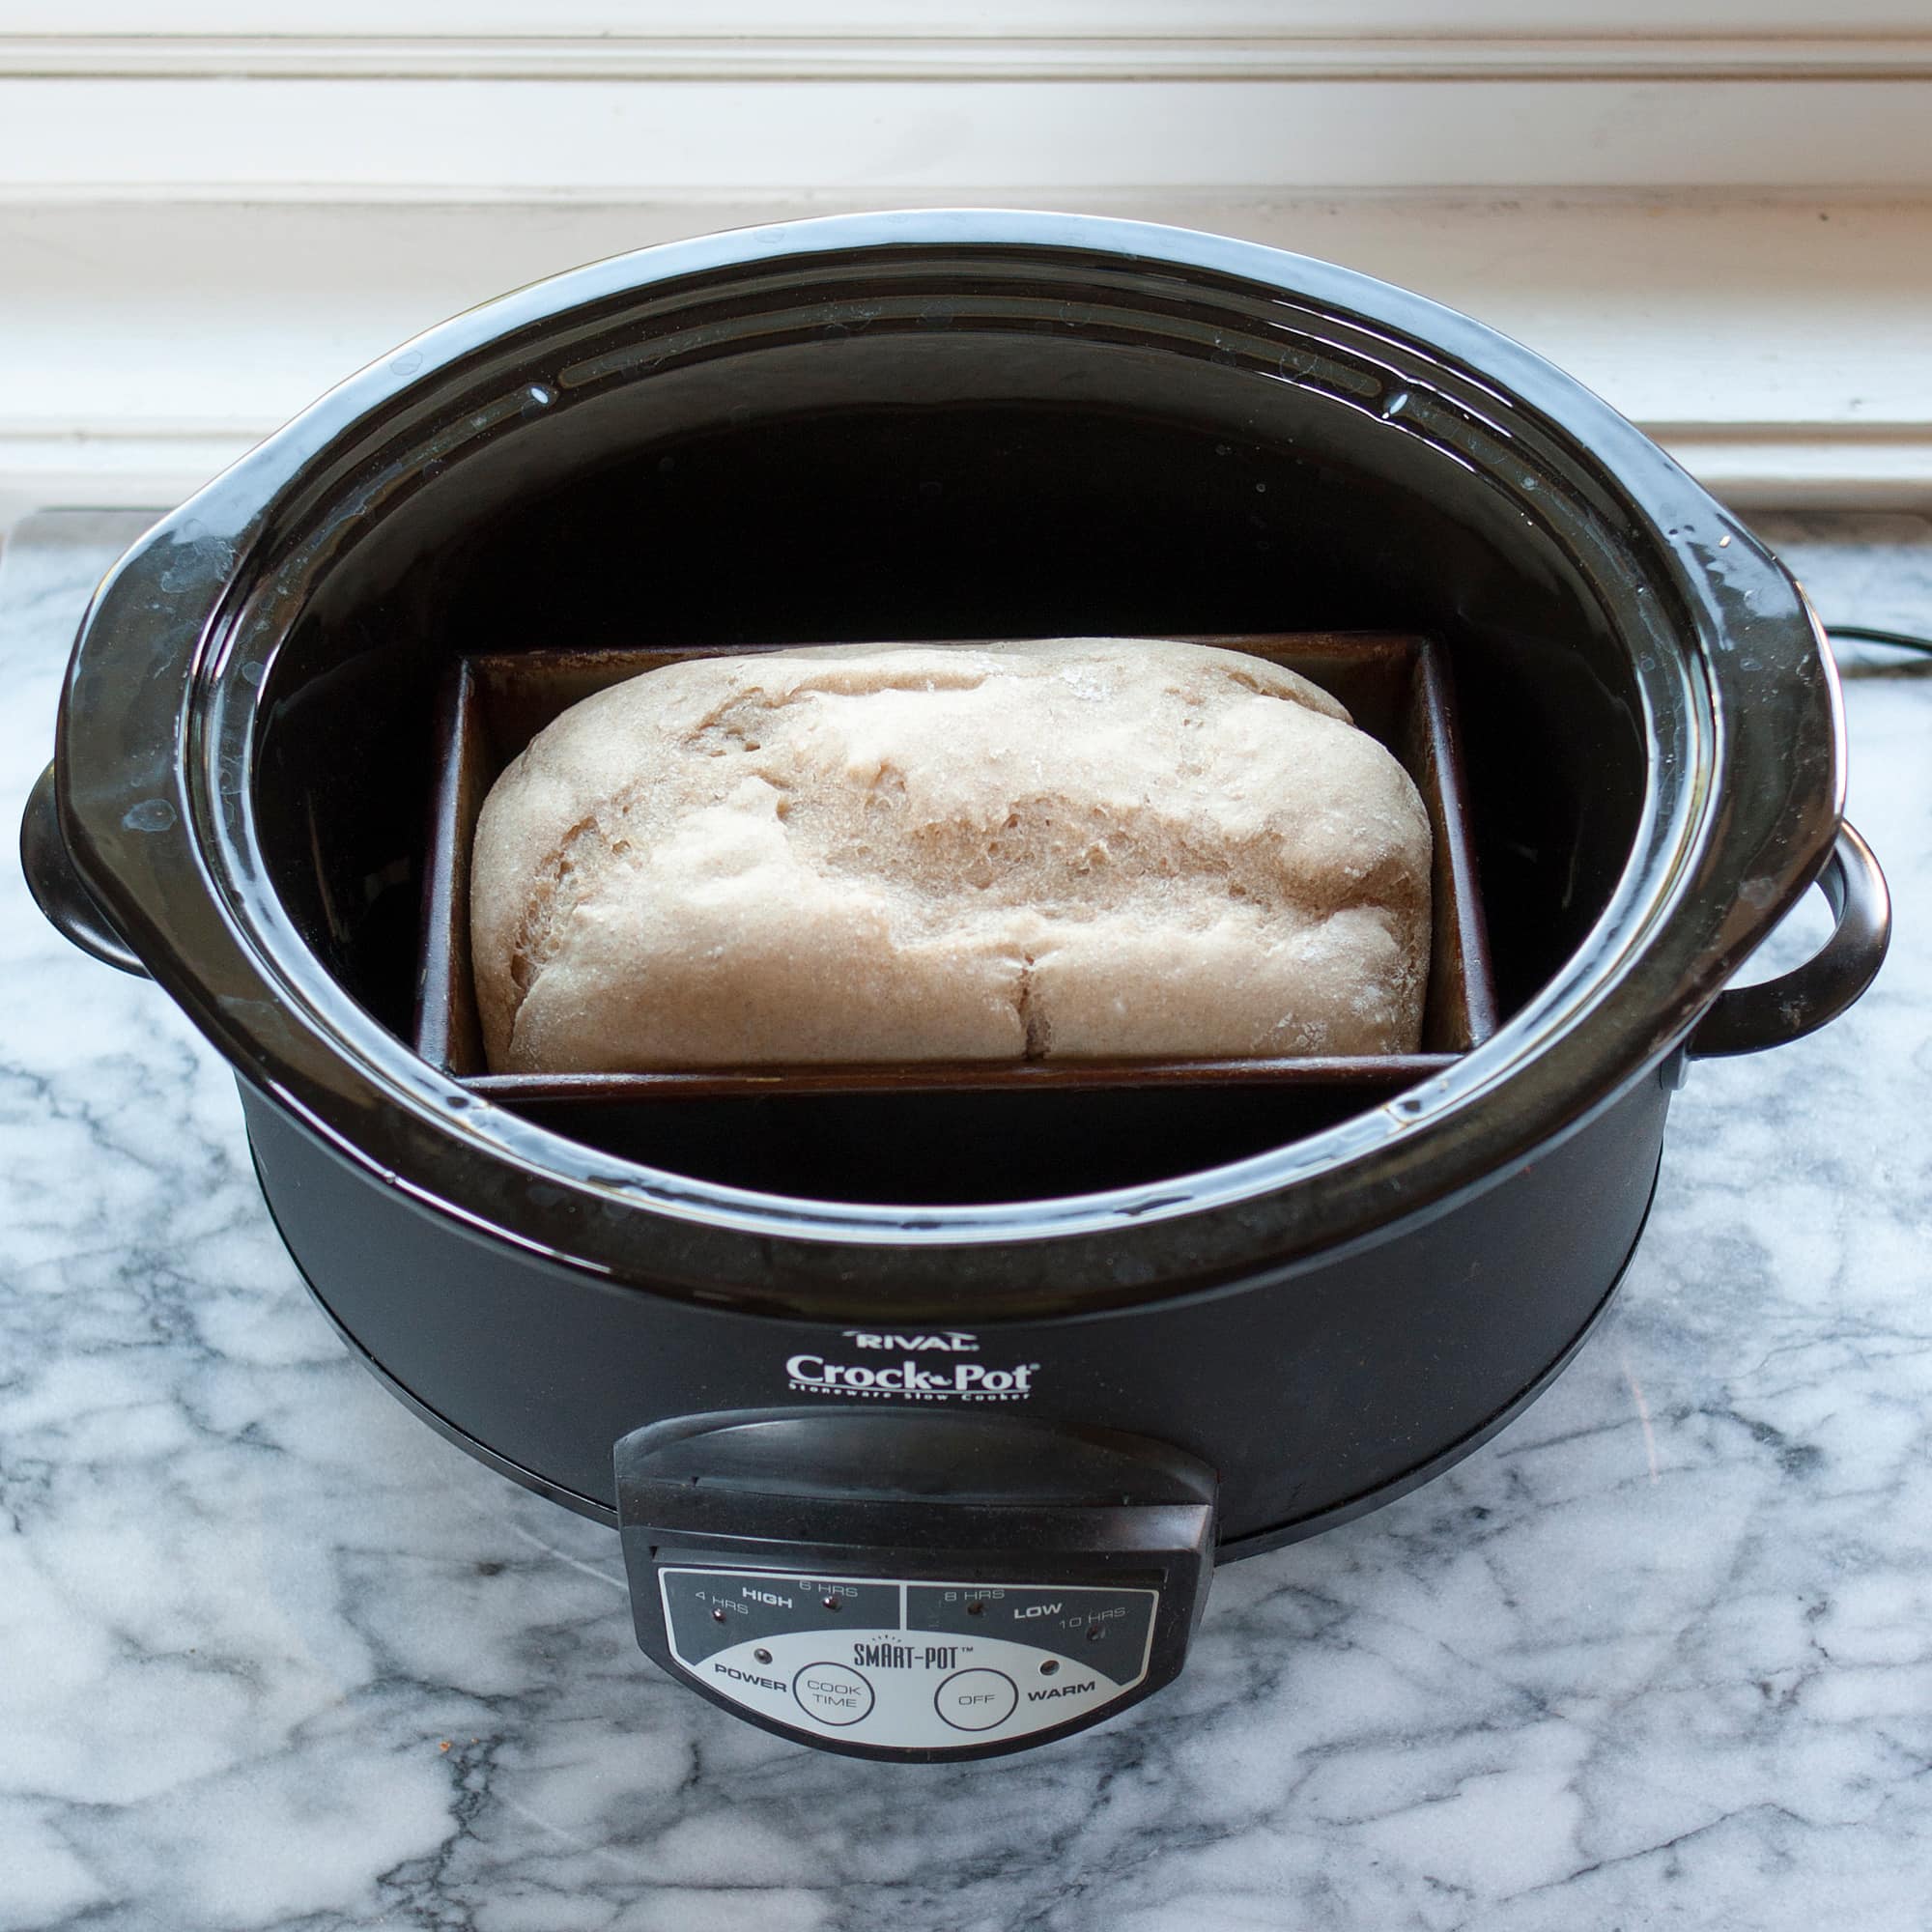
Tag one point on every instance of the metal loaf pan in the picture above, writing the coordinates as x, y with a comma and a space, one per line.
1396, 685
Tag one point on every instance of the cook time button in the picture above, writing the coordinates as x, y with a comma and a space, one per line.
976, 1701
834, 1694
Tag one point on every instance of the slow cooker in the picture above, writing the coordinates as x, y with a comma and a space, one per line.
933, 1457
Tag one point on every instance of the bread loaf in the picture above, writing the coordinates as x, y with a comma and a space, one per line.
1066, 847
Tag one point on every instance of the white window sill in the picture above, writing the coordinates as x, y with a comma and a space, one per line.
1780, 347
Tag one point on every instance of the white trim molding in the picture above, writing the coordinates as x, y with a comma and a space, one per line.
916, 57
752, 20
502, 100
455, 139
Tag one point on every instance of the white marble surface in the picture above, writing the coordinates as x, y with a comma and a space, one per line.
273, 1655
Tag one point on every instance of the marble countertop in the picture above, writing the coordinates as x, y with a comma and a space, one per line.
273, 1655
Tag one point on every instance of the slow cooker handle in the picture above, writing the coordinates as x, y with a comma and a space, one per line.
56, 884
1744, 1019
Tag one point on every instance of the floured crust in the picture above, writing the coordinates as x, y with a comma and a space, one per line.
1062, 849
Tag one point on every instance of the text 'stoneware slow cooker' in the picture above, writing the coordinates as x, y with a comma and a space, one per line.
936, 1462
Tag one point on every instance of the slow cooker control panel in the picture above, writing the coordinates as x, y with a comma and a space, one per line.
906, 1665
913, 1585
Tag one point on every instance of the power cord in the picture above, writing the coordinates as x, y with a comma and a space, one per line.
1861, 633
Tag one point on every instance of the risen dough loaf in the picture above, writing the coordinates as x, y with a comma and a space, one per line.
880, 852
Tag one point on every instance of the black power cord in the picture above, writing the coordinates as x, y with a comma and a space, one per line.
1862, 634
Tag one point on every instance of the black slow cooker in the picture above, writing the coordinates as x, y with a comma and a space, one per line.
932, 1458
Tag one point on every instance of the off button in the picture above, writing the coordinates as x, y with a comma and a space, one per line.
976, 1701
834, 1694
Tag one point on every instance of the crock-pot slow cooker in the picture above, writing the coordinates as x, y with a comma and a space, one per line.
932, 1458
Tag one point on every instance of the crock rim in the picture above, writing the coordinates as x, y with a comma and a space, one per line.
1722, 851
